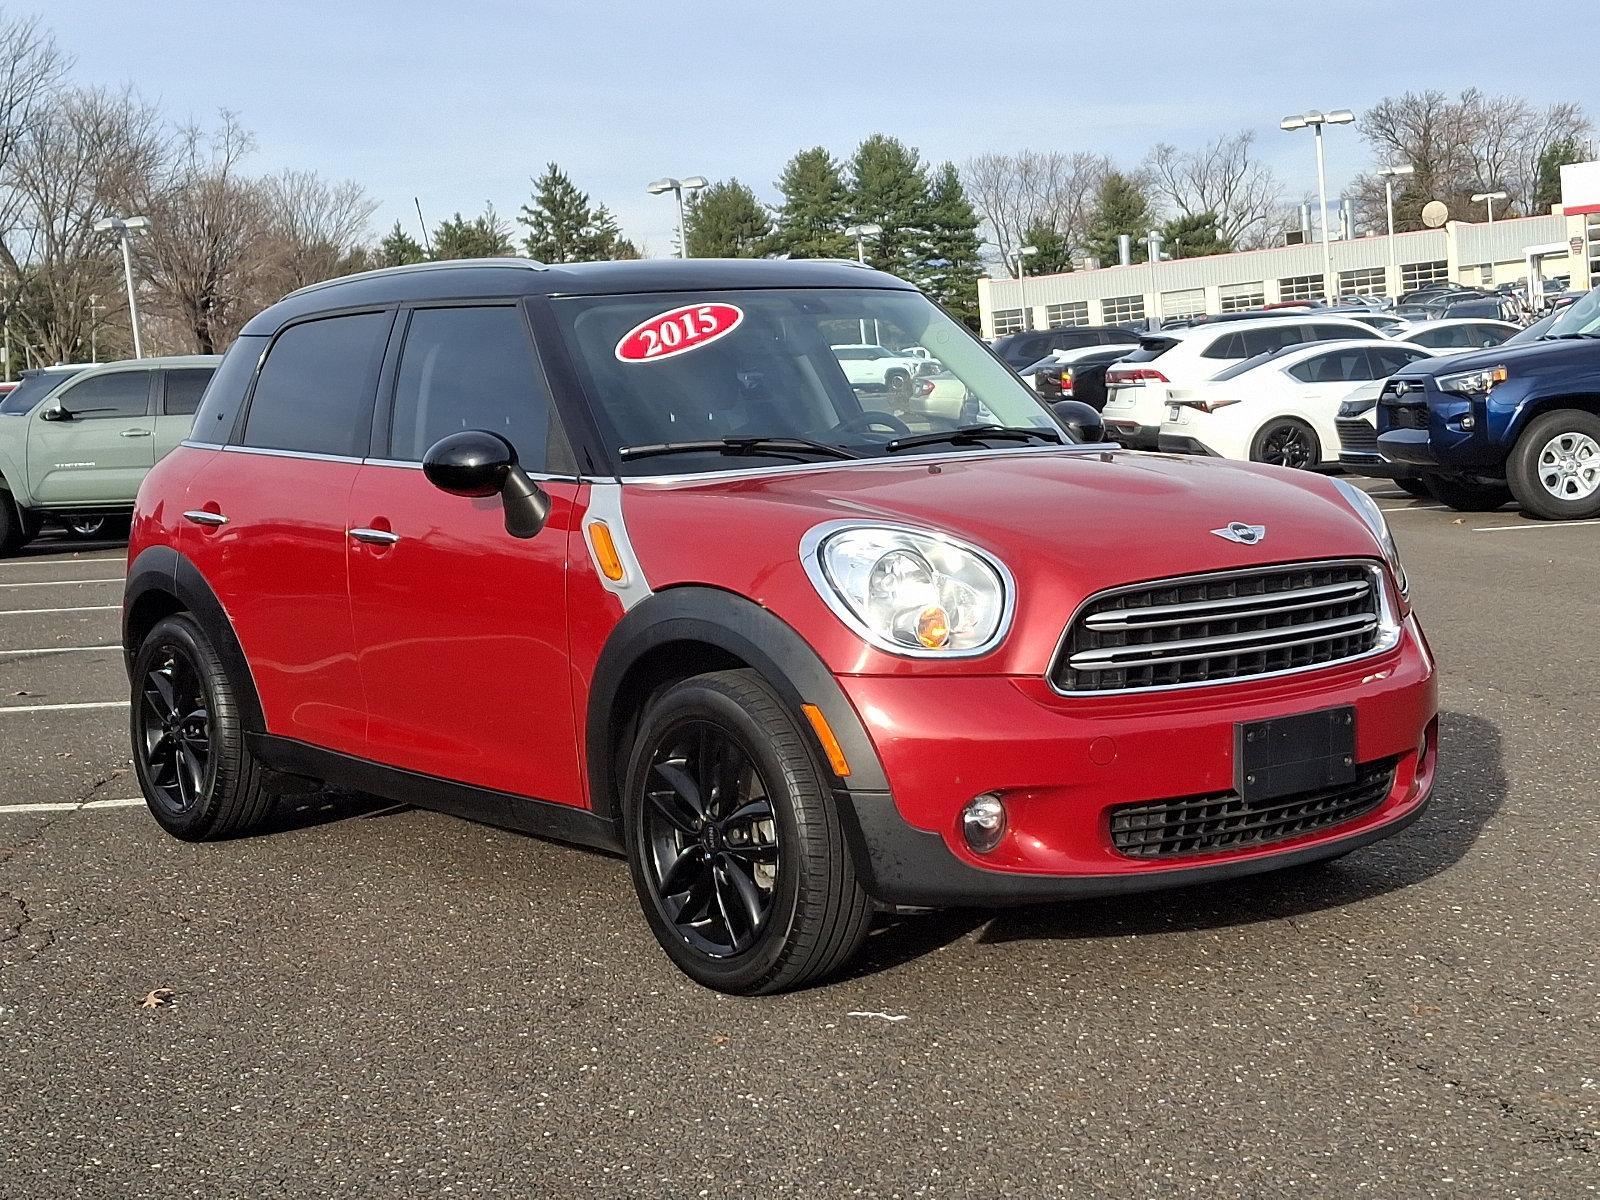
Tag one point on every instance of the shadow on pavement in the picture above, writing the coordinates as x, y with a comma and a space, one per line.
1468, 791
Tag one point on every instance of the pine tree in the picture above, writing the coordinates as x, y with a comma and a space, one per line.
1053, 254
605, 241
399, 248
561, 225
726, 220
1193, 237
1122, 205
952, 264
815, 209
1547, 186
485, 236
889, 188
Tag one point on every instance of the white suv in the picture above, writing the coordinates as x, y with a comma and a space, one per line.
868, 366
1139, 386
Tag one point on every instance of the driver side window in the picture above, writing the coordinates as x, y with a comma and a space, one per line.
120, 394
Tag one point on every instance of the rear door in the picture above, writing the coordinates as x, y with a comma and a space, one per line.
179, 400
460, 628
91, 443
266, 523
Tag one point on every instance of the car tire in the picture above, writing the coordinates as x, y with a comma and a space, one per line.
897, 384
767, 903
13, 531
198, 776
1554, 469
1467, 495
1287, 442
1414, 486
85, 529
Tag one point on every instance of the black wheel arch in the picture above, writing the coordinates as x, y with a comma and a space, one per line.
688, 630
162, 582
1532, 409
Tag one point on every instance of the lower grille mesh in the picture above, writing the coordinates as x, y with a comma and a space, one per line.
1225, 821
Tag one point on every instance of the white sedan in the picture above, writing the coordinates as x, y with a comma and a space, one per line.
1279, 407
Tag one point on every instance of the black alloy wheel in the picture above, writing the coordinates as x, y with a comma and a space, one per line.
1287, 444
173, 730
710, 840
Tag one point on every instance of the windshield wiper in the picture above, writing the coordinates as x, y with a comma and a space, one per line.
785, 447
967, 435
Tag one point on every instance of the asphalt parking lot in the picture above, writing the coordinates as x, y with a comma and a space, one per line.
371, 1001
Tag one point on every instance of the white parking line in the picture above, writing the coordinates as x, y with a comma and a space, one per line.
70, 805
1532, 525
63, 562
1412, 508
57, 650
39, 708
61, 582
39, 612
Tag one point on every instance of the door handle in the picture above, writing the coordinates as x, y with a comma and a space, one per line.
135, 433
375, 537
201, 517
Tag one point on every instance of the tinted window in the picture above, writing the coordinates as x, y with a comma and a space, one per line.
1329, 333
848, 354
469, 368
1071, 340
225, 393
1020, 349
1386, 360
314, 393
184, 389
1270, 338
121, 394
1338, 366
32, 389
1150, 349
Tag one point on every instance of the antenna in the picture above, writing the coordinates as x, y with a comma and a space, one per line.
427, 243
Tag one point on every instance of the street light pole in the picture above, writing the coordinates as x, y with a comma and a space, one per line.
1488, 198
861, 233
94, 329
678, 187
125, 228
1390, 174
1316, 120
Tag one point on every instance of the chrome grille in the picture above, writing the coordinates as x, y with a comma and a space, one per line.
1357, 436
1218, 628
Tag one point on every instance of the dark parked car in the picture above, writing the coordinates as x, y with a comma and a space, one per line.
1019, 350
1083, 378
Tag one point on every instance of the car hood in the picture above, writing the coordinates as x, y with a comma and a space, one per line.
1067, 524
1543, 353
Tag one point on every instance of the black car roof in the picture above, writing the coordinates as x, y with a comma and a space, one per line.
461, 279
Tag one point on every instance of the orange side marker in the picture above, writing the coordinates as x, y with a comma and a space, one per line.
830, 744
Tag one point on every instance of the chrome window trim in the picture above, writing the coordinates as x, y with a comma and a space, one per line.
305, 455
834, 464
1388, 626
811, 559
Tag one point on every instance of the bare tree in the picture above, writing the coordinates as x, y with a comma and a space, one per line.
1014, 192
313, 227
1224, 178
32, 69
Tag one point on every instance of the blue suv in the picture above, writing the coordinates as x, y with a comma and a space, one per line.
1518, 420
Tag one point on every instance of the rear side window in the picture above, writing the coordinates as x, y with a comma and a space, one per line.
1071, 341
1386, 360
225, 393
315, 390
1270, 338
1149, 349
1337, 366
469, 368
181, 397
121, 394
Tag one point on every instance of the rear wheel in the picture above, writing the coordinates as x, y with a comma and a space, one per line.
85, 528
734, 843
1554, 470
13, 534
198, 777
1286, 442
1468, 495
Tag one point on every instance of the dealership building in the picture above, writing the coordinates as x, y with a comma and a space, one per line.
1564, 245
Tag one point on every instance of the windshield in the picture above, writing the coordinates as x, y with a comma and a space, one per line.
31, 390
1579, 317
686, 367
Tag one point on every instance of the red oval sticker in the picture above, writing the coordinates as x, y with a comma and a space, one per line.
678, 331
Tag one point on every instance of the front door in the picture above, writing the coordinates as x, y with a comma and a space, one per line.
461, 629
91, 444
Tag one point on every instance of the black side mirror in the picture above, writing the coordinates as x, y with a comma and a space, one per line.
476, 463
55, 413
1082, 422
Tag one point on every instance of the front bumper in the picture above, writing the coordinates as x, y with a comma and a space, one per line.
1437, 431
1061, 764
1374, 465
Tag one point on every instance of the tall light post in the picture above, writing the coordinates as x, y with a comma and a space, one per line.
1390, 174
1488, 198
94, 328
678, 187
1316, 120
861, 233
125, 228
1023, 254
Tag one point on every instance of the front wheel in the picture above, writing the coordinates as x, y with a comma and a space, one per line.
13, 532
1554, 471
199, 778
1468, 495
1286, 442
734, 843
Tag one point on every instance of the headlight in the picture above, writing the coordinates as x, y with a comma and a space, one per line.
1473, 383
1367, 509
1354, 408
910, 592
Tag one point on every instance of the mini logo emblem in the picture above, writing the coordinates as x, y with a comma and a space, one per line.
1245, 535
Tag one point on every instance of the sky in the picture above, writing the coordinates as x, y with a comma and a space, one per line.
459, 102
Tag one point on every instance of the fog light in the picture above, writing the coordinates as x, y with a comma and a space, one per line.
1468, 422
983, 823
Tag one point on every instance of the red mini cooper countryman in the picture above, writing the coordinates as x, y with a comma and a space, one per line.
629, 555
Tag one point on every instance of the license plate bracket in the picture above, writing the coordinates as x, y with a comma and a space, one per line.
1301, 753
